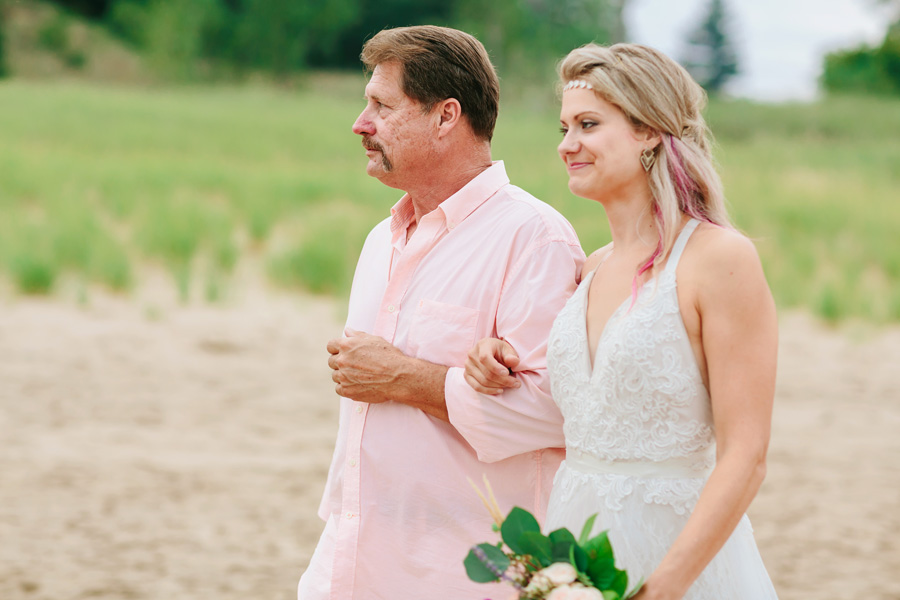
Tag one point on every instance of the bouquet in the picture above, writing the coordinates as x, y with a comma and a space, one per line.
546, 567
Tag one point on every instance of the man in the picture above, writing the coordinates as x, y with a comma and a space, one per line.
465, 255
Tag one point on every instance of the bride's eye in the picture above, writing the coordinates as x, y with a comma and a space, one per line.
588, 124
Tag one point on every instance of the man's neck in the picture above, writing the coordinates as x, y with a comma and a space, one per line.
449, 175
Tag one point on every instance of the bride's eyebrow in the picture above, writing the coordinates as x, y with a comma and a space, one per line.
582, 115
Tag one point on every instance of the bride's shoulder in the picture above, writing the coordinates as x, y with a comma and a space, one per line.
596, 257
712, 245
716, 255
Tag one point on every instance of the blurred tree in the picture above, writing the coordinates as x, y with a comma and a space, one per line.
3, 69
188, 39
90, 8
525, 37
710, 57
286, 36
367, 18
175, 35
865, 69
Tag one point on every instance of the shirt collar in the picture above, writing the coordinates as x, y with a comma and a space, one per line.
458, 206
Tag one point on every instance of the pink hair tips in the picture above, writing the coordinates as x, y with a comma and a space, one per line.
684, 185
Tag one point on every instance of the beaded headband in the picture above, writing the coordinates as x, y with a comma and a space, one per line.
578, 84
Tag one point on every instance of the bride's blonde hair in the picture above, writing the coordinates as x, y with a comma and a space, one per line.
658, 94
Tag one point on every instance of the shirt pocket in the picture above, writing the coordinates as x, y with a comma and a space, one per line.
442, 333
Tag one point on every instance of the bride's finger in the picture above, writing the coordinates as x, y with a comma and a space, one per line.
478, 387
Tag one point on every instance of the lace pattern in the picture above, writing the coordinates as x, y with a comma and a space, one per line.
644, 398
643, 402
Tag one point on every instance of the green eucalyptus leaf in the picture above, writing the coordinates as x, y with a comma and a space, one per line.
578, 557
586, 530
601, 563
562, 541
518, 522
561, 535
611, 595
599, 547
538, 546
478, 571
620, 582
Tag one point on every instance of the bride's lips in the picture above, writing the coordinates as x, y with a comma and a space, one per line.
576, 165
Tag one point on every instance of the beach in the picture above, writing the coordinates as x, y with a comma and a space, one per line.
157, 450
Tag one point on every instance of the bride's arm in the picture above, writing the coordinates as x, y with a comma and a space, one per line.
739, 335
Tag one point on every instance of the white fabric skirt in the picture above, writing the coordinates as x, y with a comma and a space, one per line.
644, 515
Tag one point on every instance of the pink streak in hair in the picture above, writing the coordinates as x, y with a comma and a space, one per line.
684, 185
684, 190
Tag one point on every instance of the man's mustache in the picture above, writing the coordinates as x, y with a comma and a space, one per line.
369, 144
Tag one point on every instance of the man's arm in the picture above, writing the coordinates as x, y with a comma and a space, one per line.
524, 418
367, 368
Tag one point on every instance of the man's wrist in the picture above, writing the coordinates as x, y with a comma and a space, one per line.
422, 386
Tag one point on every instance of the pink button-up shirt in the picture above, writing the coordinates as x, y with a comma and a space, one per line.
491, 260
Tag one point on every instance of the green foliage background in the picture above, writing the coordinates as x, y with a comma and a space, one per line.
96, 183
866, 70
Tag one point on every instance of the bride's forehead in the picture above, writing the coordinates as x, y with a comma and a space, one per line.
576, 101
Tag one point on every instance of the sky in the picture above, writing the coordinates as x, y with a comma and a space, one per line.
780, 43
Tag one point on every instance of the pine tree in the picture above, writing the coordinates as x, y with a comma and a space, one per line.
711, 57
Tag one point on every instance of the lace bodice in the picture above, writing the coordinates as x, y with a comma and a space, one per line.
644, 398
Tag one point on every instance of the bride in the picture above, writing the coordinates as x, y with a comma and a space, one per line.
663, 361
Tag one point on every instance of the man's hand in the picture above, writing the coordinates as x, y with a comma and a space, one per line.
366, 368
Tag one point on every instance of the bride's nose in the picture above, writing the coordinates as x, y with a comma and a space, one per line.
568, 145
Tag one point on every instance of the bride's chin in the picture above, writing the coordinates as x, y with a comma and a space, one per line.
580, 190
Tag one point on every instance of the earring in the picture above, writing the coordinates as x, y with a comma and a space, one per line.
648, 157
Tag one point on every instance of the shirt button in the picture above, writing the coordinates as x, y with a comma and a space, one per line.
359, 408
349, 515
352, 462
391, 308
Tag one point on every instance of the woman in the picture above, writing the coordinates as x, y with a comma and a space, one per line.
663, 361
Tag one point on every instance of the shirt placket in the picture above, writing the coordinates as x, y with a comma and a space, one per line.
346, 550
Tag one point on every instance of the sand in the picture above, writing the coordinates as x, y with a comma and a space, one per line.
158, 451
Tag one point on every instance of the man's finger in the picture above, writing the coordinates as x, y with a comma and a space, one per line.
333, 346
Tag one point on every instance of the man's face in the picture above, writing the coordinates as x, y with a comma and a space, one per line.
395, 132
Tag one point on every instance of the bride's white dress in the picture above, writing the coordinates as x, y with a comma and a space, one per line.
640, 441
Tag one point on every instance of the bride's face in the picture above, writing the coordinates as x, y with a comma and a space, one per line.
600, 147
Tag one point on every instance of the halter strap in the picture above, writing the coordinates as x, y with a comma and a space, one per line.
680, 243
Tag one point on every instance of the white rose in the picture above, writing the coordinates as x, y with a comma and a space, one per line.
539, 583
563, 592
560, 573
585, 593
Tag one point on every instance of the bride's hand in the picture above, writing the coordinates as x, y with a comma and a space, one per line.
489, 366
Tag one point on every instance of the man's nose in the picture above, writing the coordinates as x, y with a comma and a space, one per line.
363, 125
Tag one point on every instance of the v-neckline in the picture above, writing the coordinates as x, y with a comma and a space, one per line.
592, 352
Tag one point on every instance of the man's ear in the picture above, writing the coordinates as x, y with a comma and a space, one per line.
449, 113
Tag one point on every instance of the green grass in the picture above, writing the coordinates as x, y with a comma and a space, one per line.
96, 181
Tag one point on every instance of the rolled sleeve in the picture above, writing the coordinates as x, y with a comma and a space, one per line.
526, 418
